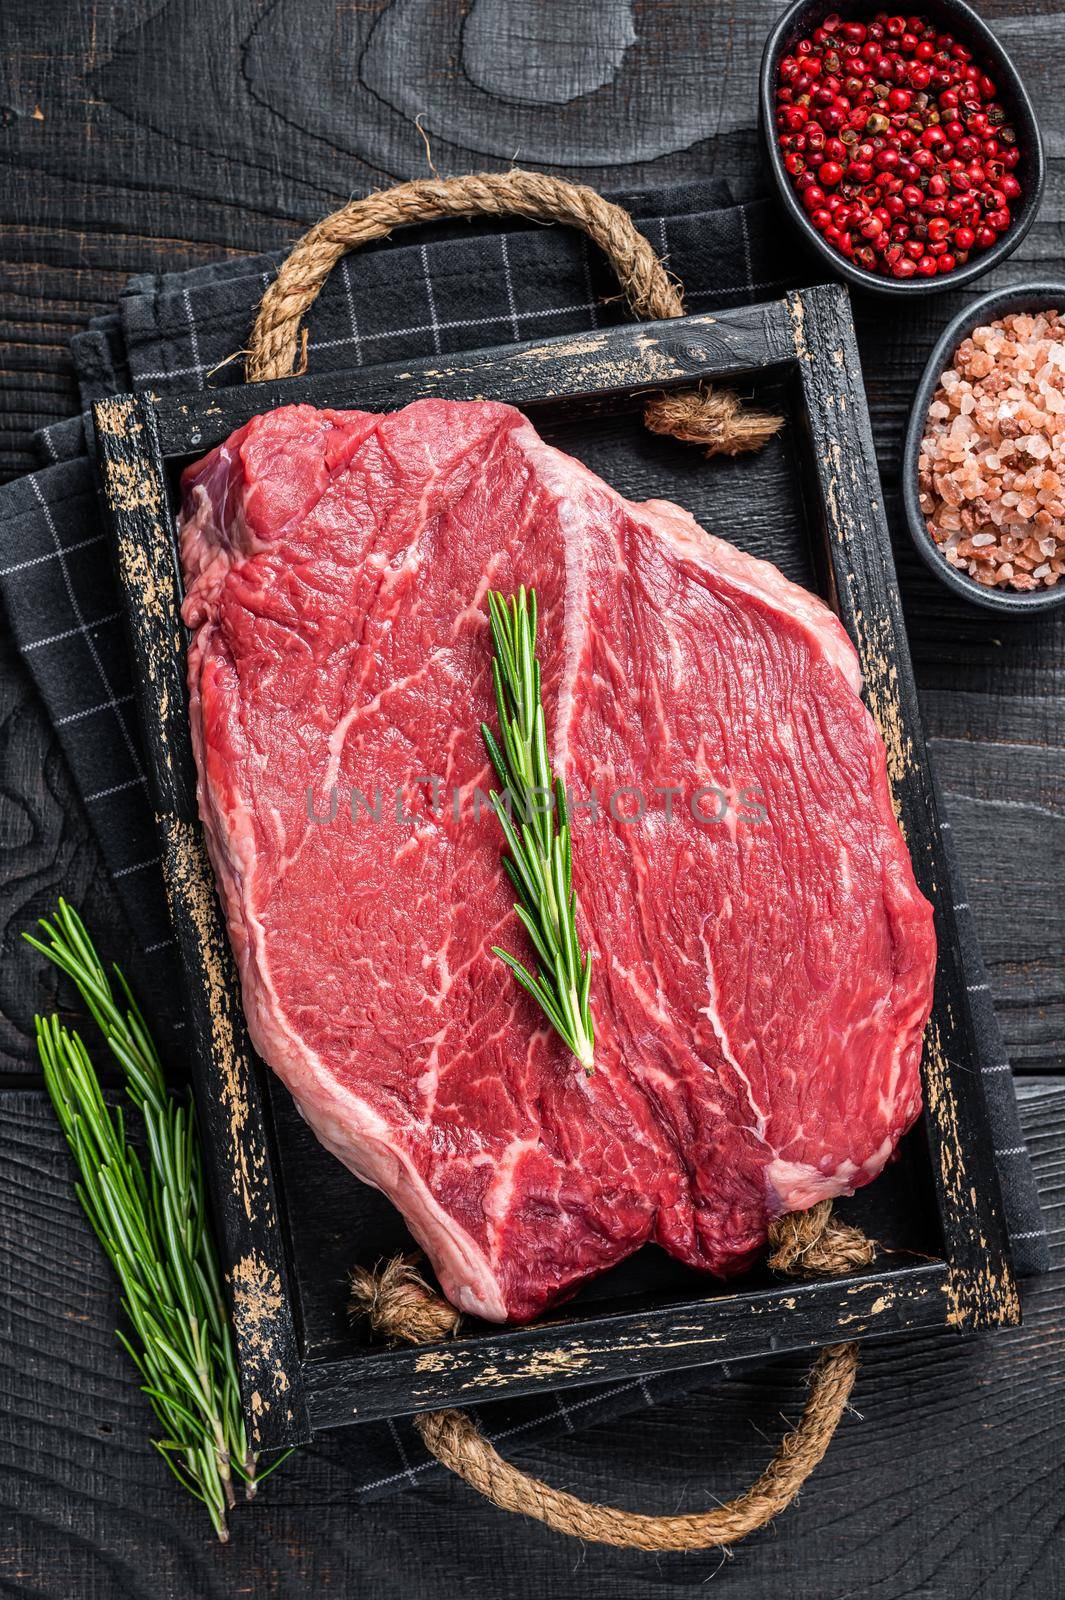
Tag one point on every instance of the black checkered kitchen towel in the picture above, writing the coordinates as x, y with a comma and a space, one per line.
425, 293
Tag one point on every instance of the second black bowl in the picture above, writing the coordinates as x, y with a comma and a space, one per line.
955, 17
1029, 297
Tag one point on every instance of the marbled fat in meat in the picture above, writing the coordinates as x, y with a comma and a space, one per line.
761, 983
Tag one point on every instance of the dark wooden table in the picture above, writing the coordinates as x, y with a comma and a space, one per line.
136, 136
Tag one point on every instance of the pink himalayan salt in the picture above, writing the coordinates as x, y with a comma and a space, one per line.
992, 462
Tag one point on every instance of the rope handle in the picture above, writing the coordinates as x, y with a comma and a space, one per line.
401, 1307
713, 418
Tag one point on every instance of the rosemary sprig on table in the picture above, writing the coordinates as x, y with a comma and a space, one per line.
533, 815
151, 1220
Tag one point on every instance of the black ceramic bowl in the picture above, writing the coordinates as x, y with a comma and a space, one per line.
954, 17
1030, 297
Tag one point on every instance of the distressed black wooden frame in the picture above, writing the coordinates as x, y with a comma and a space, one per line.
808, 337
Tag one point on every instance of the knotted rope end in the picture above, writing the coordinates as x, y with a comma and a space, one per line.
714, 418
399, 1305
817, 1241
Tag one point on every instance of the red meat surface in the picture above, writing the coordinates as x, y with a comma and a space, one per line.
763, 960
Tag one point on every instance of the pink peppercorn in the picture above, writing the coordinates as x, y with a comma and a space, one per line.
903, 158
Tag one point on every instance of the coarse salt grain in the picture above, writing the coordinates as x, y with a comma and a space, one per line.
991, 462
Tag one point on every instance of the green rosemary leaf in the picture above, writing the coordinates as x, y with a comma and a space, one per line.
543, 996
529, 924
190, 1487
261, 1477
540, 860
495, 755
171, 1404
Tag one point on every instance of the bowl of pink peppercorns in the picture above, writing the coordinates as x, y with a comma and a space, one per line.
903, 145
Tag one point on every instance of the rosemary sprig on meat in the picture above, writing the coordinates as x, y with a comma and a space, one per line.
533, 815
151, 1219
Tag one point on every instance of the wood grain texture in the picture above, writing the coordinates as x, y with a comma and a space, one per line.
945, 1483
45, 848
228, 1091
156, 134
845, 488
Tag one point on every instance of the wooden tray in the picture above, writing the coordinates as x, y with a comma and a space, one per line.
291, 1220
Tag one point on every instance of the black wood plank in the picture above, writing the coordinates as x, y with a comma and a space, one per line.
944, 1481
627, 1346
47, 850
228, 1093
844, 490
632, 359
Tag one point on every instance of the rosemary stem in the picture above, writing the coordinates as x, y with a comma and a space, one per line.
151, 1219
540, 862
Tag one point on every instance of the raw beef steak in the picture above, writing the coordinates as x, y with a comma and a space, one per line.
763, 960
